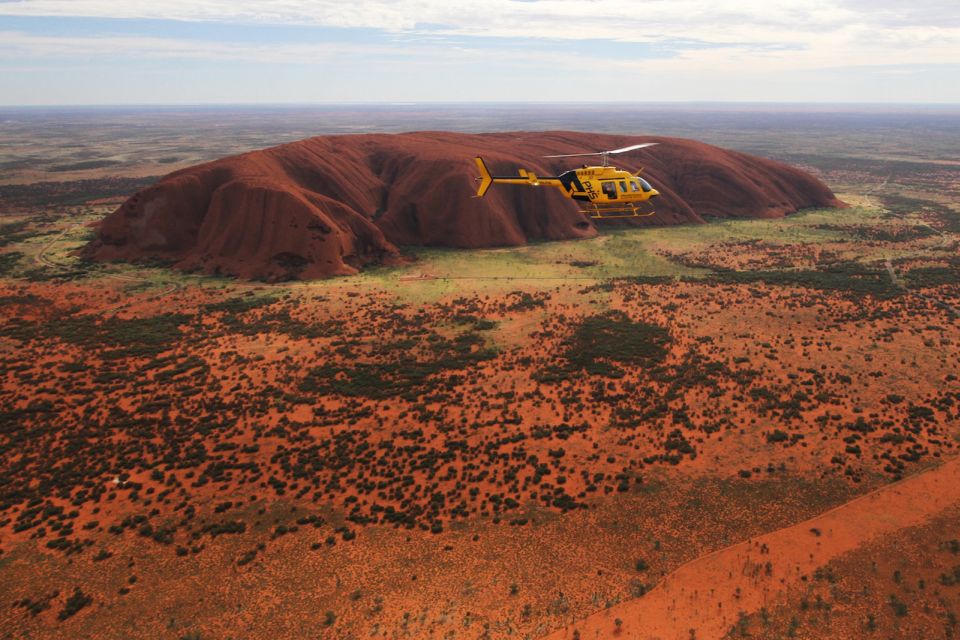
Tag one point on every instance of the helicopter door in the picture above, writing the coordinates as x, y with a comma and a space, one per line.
610, 189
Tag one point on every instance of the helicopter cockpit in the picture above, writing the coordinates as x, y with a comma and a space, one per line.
633, 185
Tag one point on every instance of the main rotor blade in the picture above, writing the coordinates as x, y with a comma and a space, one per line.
603, 153
574, 155
631, 148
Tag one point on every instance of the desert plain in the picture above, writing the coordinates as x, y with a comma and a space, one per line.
742, 428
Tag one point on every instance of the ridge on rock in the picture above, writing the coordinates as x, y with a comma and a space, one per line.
331, 204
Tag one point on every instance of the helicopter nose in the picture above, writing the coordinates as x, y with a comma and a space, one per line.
654, 193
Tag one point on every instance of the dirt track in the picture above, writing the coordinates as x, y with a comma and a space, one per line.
703, 598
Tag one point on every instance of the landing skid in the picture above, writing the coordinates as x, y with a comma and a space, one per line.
613, 211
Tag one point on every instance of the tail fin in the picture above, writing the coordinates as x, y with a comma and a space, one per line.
485, 179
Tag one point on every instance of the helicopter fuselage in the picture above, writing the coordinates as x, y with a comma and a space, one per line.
605, 185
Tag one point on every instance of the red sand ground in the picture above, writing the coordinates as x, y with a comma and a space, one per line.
705, 598
724, 388
328, 205
772, 402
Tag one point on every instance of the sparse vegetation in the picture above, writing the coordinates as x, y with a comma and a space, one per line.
77, 601
209, 423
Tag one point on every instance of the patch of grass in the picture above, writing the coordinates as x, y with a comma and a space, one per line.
270, 321
883, 233
77, 601
801, 227
600, 343
400, 378
618, 253
849, 277
935, 275
136, 337
13, 232
9, 262
240, 305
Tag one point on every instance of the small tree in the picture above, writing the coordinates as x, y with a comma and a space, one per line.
74, 603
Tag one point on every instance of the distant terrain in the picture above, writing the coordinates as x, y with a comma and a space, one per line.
601, 437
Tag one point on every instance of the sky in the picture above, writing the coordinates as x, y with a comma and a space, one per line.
77, 52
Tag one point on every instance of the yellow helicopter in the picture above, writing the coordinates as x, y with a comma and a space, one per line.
604, 192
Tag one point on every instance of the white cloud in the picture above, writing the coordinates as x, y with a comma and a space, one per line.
30, 45
574, 19
735, 35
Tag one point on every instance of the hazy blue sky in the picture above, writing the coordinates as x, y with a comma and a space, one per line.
277, 51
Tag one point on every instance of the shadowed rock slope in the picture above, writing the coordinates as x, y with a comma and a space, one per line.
330, 205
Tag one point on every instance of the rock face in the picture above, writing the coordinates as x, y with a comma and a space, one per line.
329, 205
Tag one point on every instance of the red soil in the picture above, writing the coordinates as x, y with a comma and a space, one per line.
705, 597
329, 205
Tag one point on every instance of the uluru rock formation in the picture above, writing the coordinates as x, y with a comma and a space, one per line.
329, 205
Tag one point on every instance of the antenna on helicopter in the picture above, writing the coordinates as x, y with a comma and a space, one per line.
605, 155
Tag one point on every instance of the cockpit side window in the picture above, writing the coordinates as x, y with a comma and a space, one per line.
634, 186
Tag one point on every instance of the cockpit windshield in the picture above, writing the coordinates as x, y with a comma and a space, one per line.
646, 185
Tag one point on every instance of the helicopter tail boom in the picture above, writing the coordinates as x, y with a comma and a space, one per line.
525, 177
